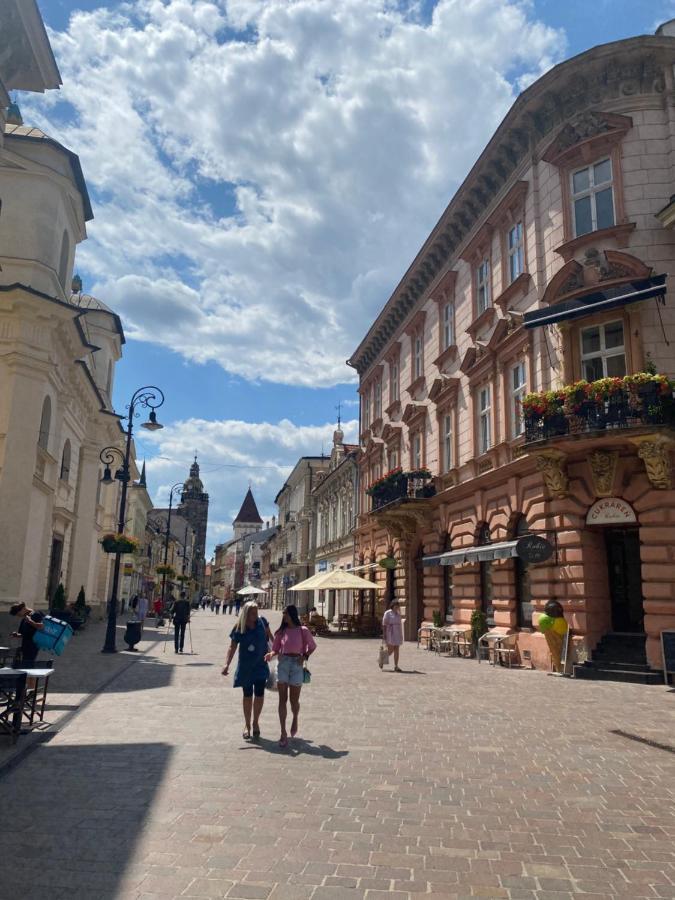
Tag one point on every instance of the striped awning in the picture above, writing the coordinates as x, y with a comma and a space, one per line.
467, 555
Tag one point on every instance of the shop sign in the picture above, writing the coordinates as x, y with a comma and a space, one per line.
534, 549
611, 511
322, 565
388, 562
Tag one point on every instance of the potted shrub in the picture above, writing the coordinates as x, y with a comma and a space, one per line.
479, 627
59, 599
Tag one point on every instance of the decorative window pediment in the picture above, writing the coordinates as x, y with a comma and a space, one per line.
444, 390
391, 432
485, 320
478, 244
608, 267
445, 288
414, 413
510, 205
588, 135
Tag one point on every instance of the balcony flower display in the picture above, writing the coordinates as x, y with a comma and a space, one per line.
642, 398
389, 478
119, 543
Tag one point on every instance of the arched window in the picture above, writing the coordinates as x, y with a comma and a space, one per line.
522, 575
486, 578
64, 259
45, 424
447, 608
65, 463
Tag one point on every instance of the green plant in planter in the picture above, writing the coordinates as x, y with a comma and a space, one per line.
479, 625
59, 599
81, 602
437, 618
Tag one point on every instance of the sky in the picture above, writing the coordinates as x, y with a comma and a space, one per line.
262, 173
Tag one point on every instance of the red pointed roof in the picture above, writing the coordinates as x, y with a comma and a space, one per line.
248, 514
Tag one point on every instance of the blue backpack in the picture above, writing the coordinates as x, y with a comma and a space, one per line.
54, 636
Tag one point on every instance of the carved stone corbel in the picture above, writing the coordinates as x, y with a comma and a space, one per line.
603, 465
551, 464
655, 453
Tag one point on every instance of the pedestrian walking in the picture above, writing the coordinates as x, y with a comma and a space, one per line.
142, 610
181, 617
212, 604
251, 635
30, 623
392, 631
217, 607
293, 644
237, 605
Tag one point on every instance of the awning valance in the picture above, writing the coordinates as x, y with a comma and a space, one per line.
485, 553
597, 301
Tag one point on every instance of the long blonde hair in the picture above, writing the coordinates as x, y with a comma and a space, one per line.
241, 621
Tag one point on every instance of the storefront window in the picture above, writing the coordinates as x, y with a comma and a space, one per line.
522, 575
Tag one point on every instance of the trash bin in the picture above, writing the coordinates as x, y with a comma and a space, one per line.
132, 635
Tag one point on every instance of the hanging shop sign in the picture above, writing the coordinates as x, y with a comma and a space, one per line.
611, 511
388, 562
532, 548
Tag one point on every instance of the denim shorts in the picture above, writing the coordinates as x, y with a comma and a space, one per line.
289, 670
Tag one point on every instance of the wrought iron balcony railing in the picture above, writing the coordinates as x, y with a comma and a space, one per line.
401, 486
620, 410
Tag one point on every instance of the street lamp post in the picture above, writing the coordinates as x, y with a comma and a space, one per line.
178, 486
151, 398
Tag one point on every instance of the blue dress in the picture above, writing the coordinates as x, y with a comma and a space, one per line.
251, 665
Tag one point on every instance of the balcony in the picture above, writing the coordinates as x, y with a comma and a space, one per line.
399, 486
608, 405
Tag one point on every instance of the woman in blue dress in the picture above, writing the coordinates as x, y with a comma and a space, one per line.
252, 635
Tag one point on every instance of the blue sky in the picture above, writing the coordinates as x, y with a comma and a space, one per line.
262, 172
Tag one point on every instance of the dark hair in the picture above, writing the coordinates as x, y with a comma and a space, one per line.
295, 618
16, 609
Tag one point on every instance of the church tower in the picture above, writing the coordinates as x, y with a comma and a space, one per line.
194, 507
248, 520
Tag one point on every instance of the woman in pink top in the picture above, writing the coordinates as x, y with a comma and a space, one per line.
293, 644
392, 631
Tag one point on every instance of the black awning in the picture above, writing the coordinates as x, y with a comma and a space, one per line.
597, 301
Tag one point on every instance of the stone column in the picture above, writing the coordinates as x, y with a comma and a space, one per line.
23, 391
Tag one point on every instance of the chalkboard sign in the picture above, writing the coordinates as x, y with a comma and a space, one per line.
668, 648
534, 549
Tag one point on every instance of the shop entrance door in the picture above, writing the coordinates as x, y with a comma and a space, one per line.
625, 579
54, 569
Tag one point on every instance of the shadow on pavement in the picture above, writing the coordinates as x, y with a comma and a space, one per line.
296, 747
77, 813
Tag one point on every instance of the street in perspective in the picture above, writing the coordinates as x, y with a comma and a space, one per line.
337, 422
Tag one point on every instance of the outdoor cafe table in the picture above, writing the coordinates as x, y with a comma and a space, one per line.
34, 695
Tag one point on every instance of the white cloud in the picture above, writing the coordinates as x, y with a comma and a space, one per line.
232, 454
339, 128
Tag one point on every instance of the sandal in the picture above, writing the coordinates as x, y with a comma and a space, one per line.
283, 742
256, 733
246, 735
294, 730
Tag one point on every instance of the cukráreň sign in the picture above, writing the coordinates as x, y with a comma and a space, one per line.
611, 511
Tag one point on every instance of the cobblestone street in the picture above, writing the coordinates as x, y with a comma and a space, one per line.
451, 779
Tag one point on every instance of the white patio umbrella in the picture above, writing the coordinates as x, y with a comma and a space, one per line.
337, 580
250, 589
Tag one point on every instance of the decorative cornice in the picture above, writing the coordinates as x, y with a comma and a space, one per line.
478, 244
520, 285
413, 412
582, 139
416, 387
611, 72
448, 355
484, 320
393, 409
391, 432
598, 270
512, 202
444, 390
445, 288
416, 324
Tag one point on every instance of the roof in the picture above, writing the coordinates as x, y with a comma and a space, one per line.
178, 523
28, 133
258, 537
248, 514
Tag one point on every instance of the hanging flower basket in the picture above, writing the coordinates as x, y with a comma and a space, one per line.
119, 543
166, 570
183, 578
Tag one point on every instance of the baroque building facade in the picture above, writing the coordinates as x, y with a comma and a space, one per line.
57, 354
335, 497
549, 267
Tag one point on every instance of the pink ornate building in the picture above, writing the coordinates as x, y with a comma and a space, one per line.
549, 266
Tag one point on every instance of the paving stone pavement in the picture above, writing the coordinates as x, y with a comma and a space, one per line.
450, 780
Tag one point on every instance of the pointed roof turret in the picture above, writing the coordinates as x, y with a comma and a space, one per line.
249, 511
141, 481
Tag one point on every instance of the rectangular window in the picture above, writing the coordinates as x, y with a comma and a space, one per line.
447, 442
518, 391
516, 252
602, 351
418, 365
483, 286
365, 401
448, 325
484, 424
416, 451
593, 197
392, 458
393, 382
377, 402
